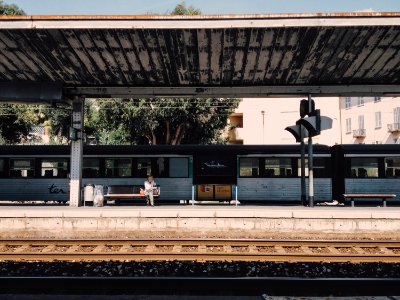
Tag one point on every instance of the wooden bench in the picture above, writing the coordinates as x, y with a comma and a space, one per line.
119, 192
384, 197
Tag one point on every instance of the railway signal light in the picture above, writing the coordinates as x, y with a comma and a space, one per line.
305, 108
298, 131
314, 123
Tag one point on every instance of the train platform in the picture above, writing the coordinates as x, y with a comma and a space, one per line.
210, 220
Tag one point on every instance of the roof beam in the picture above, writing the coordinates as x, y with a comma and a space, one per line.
246, 91
203, 21
39, 92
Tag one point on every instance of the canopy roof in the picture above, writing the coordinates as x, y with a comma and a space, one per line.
208, 55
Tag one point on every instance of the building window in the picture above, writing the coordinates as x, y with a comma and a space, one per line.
118, 167
278, 167
348, 125
360, 101
178, 167
363, 167
143, 167
54, 168
347, 102
249, 167
22, 168
378, 120
396, 116
392, 167
91, 168
377, 99
361, 122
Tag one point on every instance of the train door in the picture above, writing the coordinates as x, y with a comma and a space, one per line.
214, 176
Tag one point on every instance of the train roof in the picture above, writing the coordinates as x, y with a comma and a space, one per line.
369, 149
156, 149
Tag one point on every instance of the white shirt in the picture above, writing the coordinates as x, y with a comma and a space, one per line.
148, 186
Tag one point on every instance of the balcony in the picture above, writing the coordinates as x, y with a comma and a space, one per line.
394, 127
359, 133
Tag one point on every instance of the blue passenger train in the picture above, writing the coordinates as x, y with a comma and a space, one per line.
216, 172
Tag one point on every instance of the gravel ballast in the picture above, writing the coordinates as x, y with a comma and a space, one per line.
199, 269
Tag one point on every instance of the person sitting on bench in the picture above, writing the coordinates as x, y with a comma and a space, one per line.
150, 187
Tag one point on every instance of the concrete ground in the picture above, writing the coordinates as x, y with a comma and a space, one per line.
202, 211
200, 221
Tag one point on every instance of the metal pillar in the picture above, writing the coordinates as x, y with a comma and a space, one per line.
303, 169
263, 114
192, 194
310, 163
76, 153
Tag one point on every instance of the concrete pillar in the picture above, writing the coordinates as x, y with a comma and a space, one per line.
76, 153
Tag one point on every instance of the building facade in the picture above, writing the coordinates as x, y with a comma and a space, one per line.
263, 121
370, 120
356, 120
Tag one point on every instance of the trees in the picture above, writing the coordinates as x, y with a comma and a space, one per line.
10, 9
181, 9
162, 120
15, 122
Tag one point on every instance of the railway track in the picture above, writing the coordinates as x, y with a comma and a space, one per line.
200, 250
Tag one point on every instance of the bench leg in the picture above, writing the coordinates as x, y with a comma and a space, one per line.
384, 202
352, 202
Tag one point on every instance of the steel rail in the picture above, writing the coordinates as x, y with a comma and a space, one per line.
201, 250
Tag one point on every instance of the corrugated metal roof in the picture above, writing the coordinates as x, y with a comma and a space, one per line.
356, 49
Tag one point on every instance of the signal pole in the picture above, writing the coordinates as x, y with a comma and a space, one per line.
310, 163
303, 169
308, 127
263, 114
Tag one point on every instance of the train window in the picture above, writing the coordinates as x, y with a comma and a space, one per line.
249, 167
278, 167
363, 167
54, 168
22, 167
392, 166
118, 167
143, 167
91, 168
2, 168
160, 167
319, 167
178, 167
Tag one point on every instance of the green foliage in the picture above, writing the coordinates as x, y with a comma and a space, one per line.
59, 120
10, 9
161, 121
15, 122
182, 10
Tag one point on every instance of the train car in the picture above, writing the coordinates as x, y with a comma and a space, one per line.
219, 172
274, 174
366, 169
41, 172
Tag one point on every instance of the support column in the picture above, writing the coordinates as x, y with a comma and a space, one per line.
76, 153
310, 163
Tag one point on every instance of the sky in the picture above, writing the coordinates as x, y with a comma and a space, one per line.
127, 7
